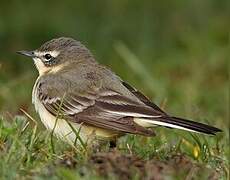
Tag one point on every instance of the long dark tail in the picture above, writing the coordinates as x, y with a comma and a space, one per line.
184, 124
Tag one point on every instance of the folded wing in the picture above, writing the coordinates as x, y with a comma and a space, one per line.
109, 109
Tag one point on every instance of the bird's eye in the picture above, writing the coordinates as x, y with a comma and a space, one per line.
48, 56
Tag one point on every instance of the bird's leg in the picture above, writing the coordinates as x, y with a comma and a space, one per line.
94, 144
112, 144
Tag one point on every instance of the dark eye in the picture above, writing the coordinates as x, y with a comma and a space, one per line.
47, 56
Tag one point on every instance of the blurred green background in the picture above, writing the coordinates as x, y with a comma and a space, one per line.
172, 50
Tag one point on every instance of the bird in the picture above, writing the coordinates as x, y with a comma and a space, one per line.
78, 98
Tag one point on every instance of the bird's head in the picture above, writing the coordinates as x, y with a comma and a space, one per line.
57, 53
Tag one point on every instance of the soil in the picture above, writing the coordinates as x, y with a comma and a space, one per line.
115, 164
126, 167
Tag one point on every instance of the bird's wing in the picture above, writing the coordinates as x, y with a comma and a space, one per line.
142, 98
100, 107
115, 106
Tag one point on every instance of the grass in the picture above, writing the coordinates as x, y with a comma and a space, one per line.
27, 153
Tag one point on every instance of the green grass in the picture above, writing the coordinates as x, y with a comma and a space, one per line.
28, 153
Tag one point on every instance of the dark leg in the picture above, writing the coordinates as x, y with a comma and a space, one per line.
112, 144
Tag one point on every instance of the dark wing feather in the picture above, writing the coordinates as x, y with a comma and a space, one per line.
142, 98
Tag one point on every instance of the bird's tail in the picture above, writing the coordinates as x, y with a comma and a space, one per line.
178, 123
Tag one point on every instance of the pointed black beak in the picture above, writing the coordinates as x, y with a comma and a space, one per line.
27, 53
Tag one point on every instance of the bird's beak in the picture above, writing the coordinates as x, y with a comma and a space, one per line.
27, 53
